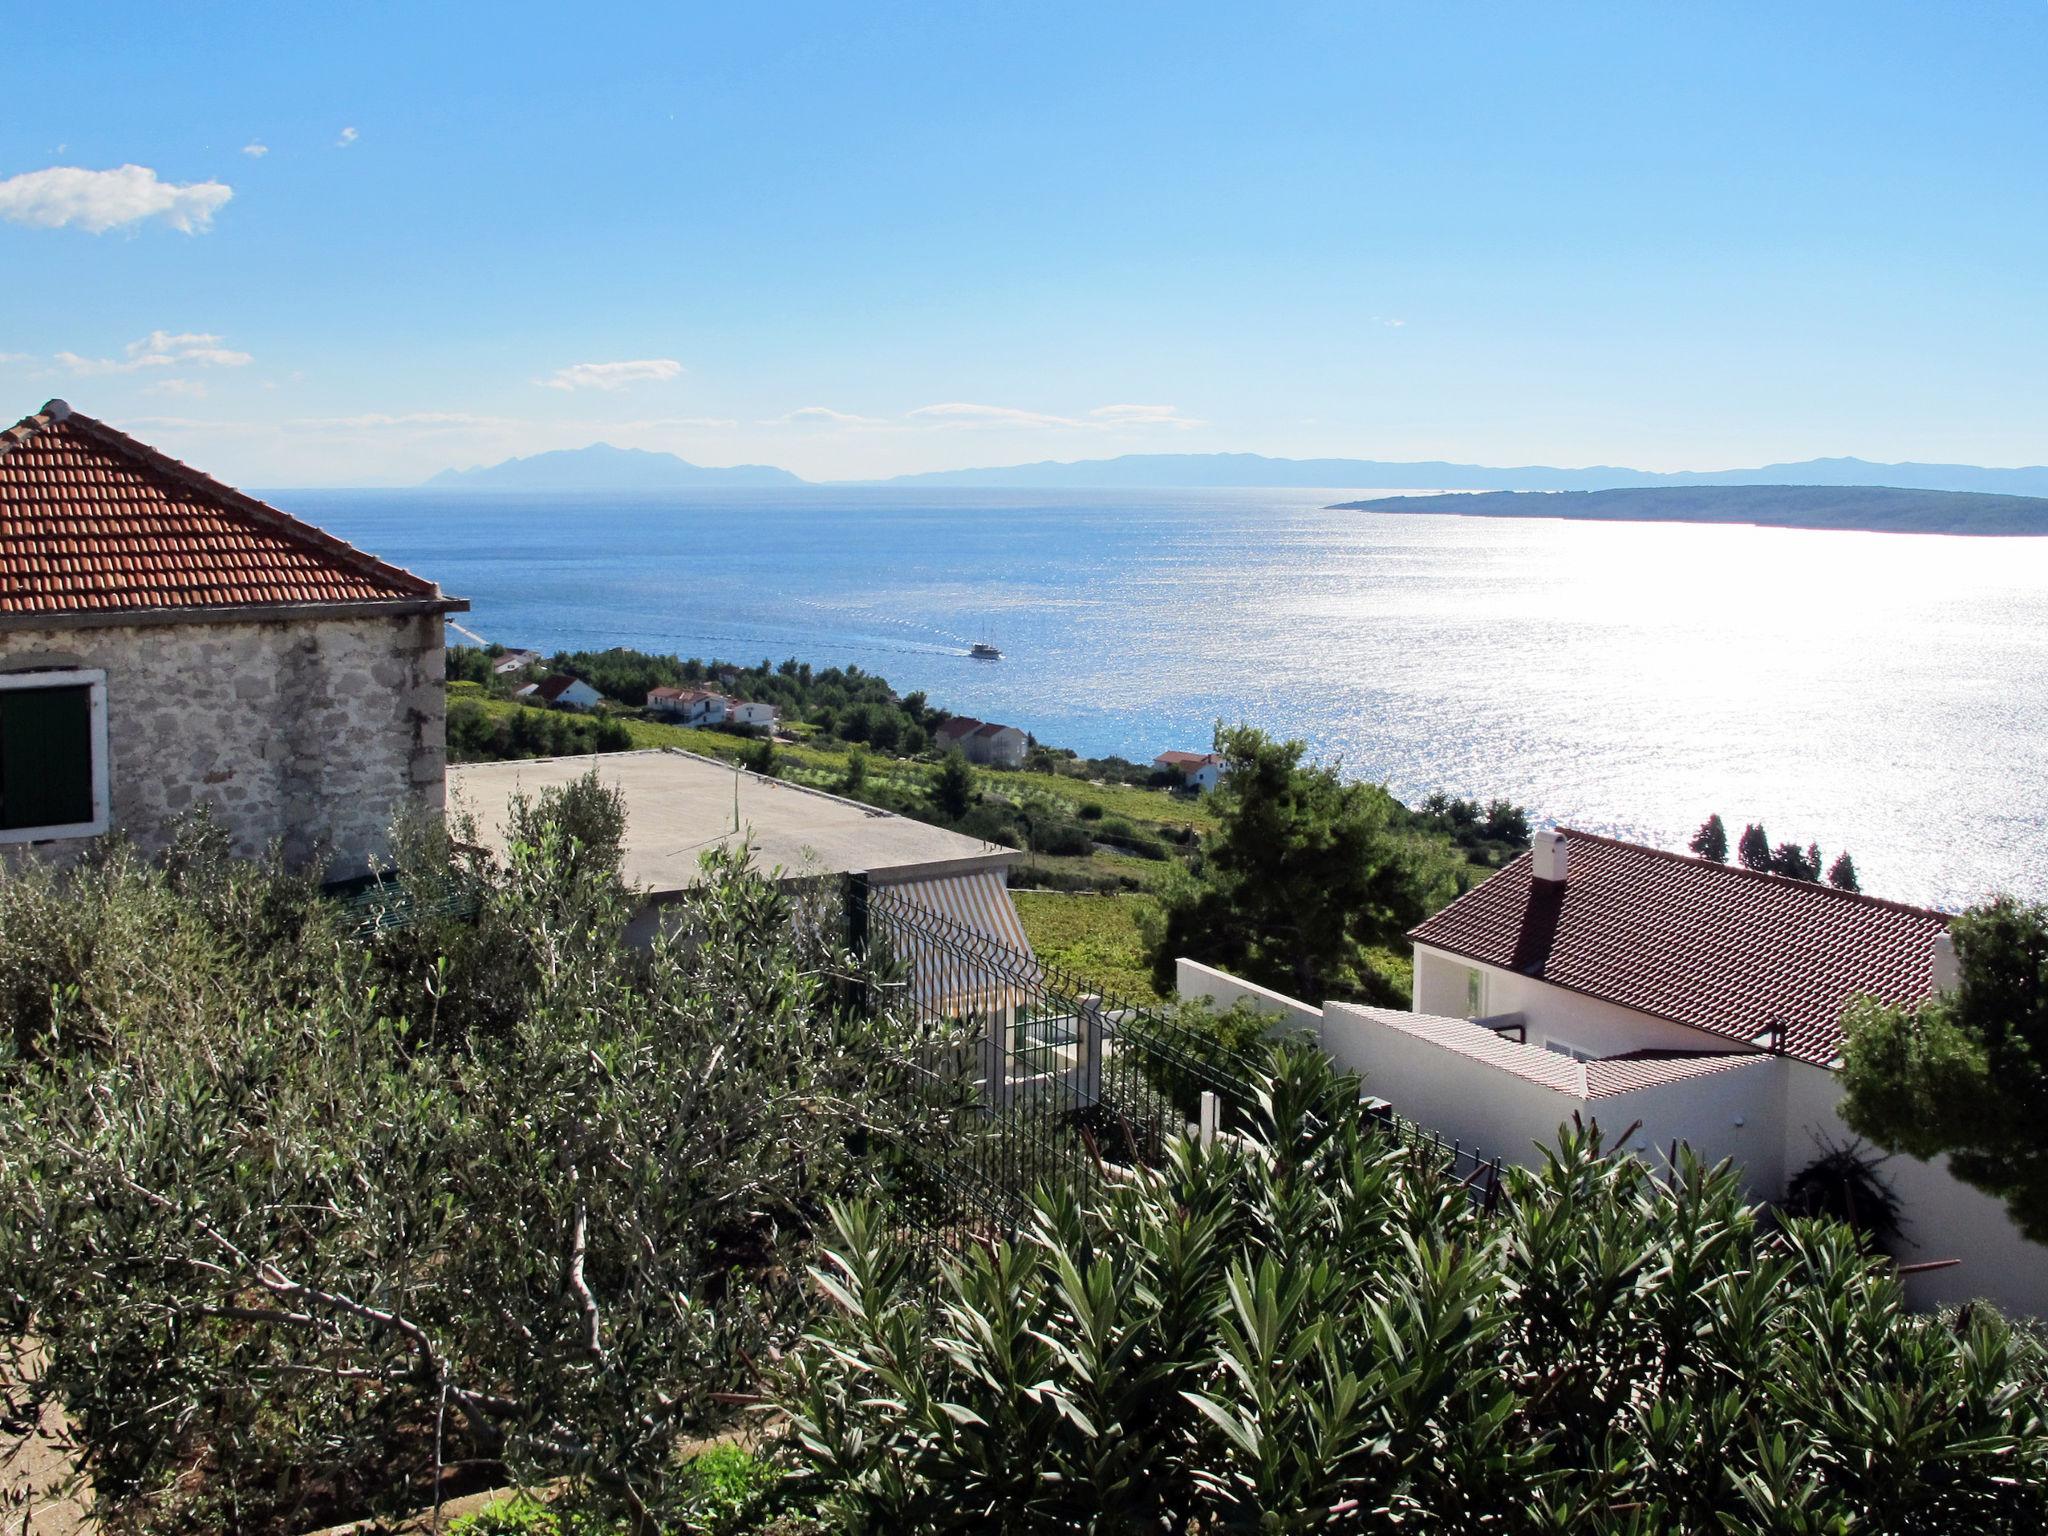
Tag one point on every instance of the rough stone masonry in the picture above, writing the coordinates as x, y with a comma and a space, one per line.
308, 733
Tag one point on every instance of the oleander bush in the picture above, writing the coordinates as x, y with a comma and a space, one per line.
1314, 1331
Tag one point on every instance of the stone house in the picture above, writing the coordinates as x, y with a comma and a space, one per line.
984, 741
167, 642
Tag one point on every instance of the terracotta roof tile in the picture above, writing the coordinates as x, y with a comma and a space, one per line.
93, 522
1723, 949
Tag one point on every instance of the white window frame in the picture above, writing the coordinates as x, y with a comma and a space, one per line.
94, 678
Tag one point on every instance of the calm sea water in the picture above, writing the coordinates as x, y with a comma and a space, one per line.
1883, 692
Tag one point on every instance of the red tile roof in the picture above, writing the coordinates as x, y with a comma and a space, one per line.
1743, 955
958, 728
95, 524
1187, 759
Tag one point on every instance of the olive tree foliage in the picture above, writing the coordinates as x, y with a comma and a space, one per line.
292, 1219
1966, 1074
1314, 1331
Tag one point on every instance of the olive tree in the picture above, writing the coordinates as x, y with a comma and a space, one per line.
296, 1220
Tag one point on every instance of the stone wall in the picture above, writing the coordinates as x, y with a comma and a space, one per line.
312, 733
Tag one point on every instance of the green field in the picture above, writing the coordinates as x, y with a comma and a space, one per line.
1095, 937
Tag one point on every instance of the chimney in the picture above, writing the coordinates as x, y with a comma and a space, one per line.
1550, 856
1945, 974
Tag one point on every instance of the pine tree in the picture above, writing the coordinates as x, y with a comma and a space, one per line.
1755, 847
1842, 873
1711, 841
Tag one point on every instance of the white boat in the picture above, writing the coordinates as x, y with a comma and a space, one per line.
984, 650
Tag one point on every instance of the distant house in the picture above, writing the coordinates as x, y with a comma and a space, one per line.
983, 741
1200, 770
515, 661
168, 643
749, 712
687, 706
560, 688
1691, 1001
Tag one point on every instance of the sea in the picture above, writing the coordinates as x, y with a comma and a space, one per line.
1883, 693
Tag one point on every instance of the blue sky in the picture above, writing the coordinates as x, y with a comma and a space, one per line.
857, 240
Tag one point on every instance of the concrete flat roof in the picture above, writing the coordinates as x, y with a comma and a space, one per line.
680, 805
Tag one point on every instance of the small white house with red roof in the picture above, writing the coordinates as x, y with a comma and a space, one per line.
1677, 1000
688, 706
168, 643
561, 691
1198, 770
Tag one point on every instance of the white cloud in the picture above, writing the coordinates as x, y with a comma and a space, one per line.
15, 357
161, 349
961, 414
650, 370
822, 416
98, 201
348, 137
255, 149
1143, 416
189, 389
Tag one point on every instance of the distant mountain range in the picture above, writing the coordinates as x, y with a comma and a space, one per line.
1874, 509
1162, 471
601, 467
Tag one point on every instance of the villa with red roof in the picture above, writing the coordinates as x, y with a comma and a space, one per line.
1671, 999
168, 643
1199, 770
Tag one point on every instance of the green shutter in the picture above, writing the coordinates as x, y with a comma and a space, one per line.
45, 757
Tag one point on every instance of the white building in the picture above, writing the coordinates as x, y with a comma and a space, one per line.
1698, 1002
748, 712
1199, 770
569, 692
515, 661
168, 643
688, 706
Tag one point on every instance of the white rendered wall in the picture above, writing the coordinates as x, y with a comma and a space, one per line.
1602, 1028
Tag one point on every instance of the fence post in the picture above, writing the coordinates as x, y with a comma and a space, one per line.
1211, 1114
995, 1065
853, 990
1088, 1039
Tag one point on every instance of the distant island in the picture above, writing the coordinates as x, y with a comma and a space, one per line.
601, 467
1865, 508
1175, 471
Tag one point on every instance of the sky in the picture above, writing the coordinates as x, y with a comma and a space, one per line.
351, 244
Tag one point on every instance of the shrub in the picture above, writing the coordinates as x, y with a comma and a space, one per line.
298, 1216
1315, 1330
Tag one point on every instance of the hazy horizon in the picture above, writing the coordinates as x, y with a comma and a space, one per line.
898, 240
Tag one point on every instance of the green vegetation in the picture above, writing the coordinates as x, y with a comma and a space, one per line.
1099, 937
1755, 851
298, 1216
1966, 1074
1317, 1331
1303, 873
